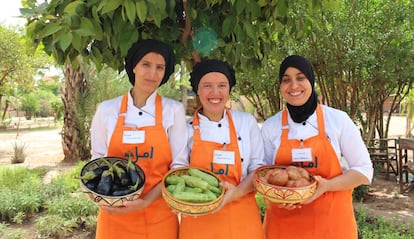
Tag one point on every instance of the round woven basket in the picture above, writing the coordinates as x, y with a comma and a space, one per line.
188, 208
280, 194
113, 201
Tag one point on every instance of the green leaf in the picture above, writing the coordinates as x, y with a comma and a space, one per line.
262, 3
76, 41
142, 10
49, 30
254, 9
130, 10
71, 7
239, 33
157, 18
228, 25
240, 5
250, 30
109, 5
97, 27
65, 41
87, 28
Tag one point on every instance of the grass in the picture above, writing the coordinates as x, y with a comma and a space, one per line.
59, 207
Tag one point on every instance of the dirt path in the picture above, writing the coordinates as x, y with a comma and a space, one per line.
43, 146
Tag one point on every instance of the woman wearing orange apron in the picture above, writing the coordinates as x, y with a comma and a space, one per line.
149, 128
330, 147
235, 136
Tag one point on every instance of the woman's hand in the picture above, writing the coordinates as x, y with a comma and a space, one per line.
127, 207
136, 205
322, 187
288, 206
229, 195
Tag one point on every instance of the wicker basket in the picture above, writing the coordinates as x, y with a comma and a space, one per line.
188, 208
280, 194
113, 201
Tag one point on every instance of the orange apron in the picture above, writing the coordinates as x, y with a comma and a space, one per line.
156, 221
239, 219
329, 216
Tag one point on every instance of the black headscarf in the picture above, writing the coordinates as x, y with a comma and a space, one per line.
210, 65
142, 47
301, 113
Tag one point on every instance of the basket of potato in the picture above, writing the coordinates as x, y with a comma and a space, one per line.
192, 191
284, 184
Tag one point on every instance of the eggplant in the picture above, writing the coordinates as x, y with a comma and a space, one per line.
133, 174
122, 191
99, 170
88, 176
121, 175
105, 184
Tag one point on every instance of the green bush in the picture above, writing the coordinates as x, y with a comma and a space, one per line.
64, 203
30, 105
20, 193
360, 193
378, 227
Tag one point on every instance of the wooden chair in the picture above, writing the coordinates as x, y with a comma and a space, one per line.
384, 155
406, 165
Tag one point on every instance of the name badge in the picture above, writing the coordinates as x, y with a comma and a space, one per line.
133, 137
302, 155
223, 157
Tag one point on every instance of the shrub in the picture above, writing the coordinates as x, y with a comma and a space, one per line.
30, 105
19, 153
20, 193
360, 193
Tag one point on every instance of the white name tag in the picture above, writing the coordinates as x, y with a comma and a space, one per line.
302, 155
223, 157
133, 137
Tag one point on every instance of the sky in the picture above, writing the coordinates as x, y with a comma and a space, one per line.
9, 9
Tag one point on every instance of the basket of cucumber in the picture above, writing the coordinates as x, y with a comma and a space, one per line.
192, 191
110, 181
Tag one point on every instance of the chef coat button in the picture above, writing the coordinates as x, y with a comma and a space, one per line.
242, 159
140, 113
219, 125
304, 123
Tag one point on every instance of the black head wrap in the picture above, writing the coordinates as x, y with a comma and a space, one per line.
301, 113
206, 66
140, 48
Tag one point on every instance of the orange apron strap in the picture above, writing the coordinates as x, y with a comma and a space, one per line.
321, 121
158, 110
285, 125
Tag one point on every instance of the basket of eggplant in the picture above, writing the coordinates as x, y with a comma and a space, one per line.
110, 180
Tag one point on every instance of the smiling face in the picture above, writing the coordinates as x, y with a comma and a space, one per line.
213, 91
149, 73
295, 87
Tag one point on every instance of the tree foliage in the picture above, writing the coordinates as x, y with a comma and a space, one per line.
357, 47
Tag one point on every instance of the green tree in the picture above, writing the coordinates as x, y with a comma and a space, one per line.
19, 63
363, 55
102, 32
30, 105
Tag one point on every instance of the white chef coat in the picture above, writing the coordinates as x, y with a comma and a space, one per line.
173, 119
248, 135
343, 134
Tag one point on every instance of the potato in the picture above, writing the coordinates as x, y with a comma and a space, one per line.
293, 173
278, 177
304, 173
301, 182
290, 183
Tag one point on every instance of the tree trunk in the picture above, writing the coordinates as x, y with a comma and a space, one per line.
6, 107
74, 149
